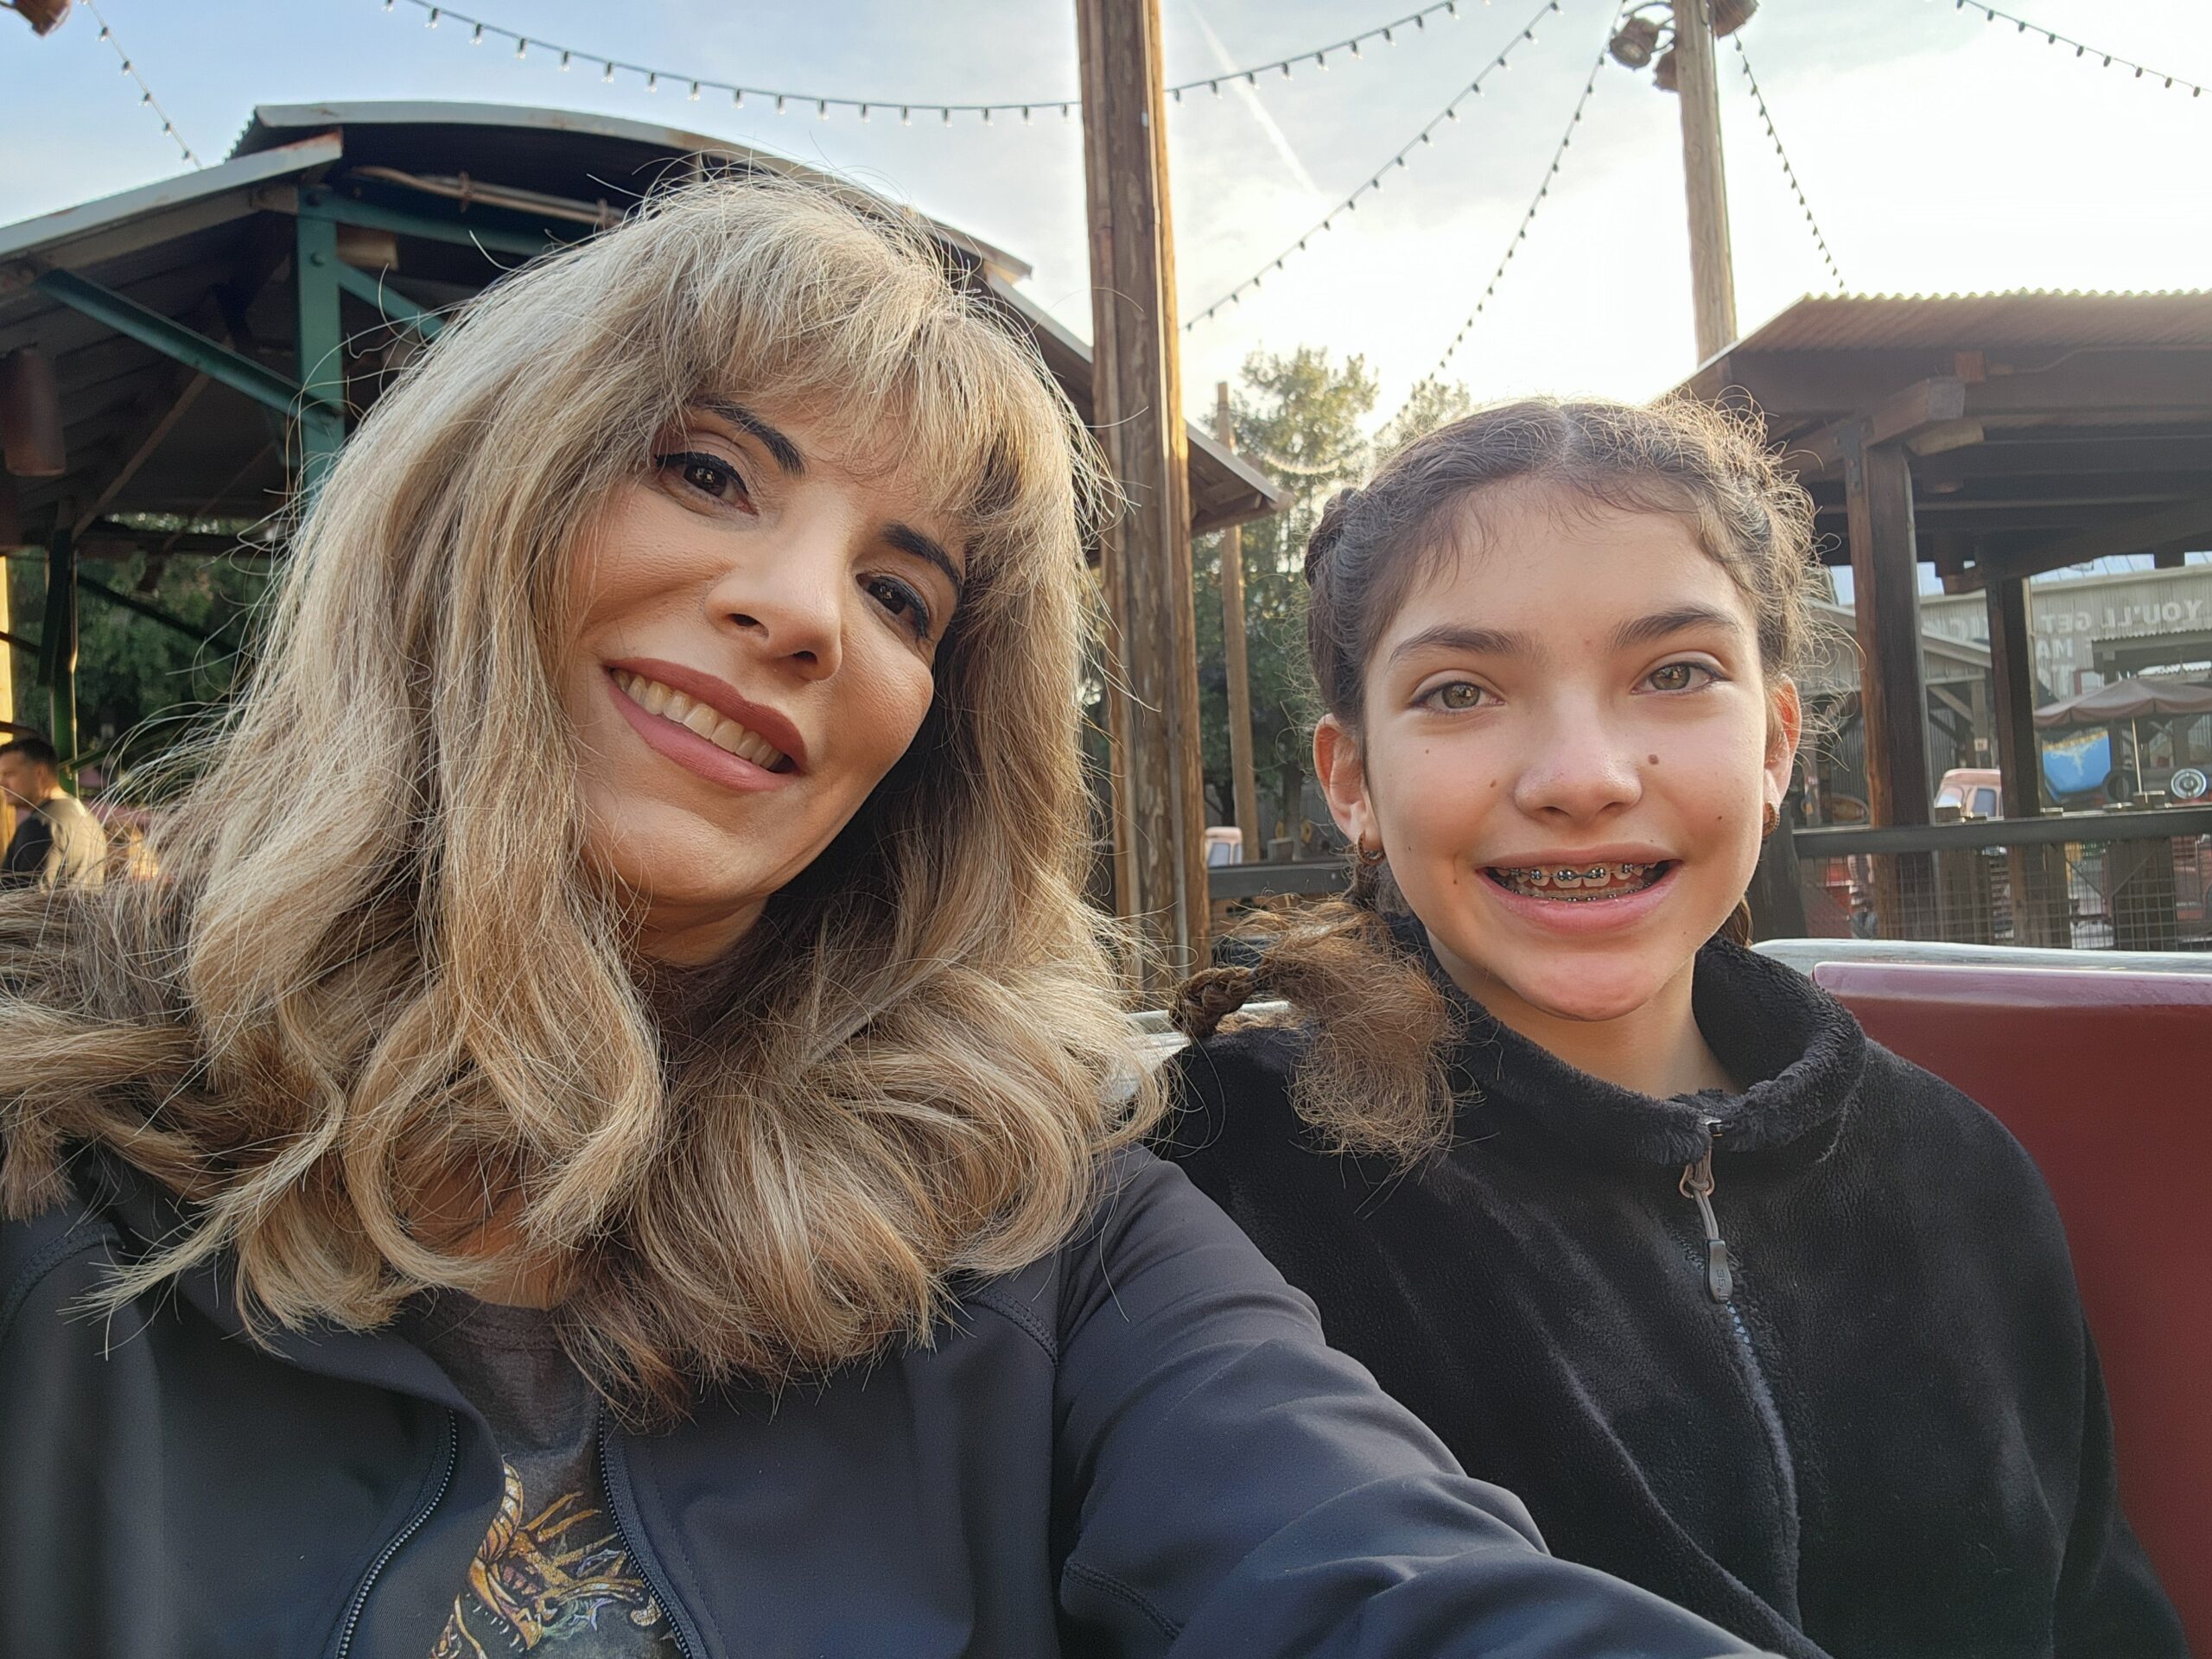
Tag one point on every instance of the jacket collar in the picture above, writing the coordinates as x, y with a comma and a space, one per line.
1800, 1049
144, 1213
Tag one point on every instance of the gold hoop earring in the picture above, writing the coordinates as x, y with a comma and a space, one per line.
1371, 858
1770, 820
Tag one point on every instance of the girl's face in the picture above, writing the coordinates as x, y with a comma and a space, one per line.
756, 626
1569, 747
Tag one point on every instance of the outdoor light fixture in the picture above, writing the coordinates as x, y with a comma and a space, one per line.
30, 415
1635, 43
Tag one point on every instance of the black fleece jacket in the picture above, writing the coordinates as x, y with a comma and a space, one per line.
1885, 1438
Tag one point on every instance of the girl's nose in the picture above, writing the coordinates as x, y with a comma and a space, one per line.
1579, 766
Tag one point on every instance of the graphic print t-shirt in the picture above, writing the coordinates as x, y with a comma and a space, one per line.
553, 1576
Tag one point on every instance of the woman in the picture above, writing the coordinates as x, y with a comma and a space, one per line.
595, 1142
1748, 1310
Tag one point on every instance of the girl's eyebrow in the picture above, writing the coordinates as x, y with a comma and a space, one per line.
1679, 619
1473, 641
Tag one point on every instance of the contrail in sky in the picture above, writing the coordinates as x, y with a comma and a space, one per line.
1258, 110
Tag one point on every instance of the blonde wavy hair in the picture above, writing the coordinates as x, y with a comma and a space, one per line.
374, 969
1376, 1077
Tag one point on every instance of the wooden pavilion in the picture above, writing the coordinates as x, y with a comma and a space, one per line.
196, 347
1993, 436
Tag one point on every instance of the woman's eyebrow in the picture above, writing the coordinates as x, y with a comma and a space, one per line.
781, 450
1661, 625
927, 549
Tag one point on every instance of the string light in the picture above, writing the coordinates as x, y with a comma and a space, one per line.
1384, 33
146, 98
1521, 234
1351, 203
1788, 171
2052, 37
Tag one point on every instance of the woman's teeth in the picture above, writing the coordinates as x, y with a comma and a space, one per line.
699, 718
1577, 884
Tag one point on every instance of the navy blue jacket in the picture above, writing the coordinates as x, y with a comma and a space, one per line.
1137, 1445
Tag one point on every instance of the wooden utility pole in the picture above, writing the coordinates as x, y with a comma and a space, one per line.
1713, 279
1136, 410
1245, 786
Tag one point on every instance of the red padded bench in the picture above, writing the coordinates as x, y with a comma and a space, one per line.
2107, 1079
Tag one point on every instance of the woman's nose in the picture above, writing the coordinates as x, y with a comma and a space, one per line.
789, 602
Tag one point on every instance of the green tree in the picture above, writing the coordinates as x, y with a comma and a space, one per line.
1297, 418
140, 684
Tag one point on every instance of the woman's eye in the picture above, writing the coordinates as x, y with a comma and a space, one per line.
1460, 694
1679, 677
709, 474
902, 602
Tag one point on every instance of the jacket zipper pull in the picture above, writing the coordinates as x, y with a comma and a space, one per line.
1697, 1184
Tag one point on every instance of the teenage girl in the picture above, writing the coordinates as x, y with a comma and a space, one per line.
1747, 1309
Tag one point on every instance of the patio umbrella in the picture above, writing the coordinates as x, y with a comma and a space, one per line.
2129, 699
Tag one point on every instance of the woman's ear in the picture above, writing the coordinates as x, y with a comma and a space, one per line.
1344, 780
1785, 725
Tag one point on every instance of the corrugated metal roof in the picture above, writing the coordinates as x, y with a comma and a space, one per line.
2023, 318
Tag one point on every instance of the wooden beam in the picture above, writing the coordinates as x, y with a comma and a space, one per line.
1905, 413
1136, 409
1705, 177
2011, 666
156, 434
1885, 585
2187, 521
1243, 787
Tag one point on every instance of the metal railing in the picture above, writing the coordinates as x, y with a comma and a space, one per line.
2121, 881
2127, 881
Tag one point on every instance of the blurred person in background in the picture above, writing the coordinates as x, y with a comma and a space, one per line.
57, 839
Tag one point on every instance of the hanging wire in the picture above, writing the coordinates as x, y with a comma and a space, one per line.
1315, 56
1374, 183
145, 93
1521, 235
2081, 49
1788, 171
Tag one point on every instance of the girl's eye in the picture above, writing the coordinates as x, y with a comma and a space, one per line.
901, 603
1455, 695
709, 474
1680, 676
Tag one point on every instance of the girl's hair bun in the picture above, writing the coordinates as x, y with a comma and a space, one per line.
1330, 530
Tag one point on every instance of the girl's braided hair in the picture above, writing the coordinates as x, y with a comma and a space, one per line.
1375, 1079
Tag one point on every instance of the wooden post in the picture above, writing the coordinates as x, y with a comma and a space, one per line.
2041, 906
1243, 783
1136, 410
1893, 697
10, 535
1713, 279
58, 644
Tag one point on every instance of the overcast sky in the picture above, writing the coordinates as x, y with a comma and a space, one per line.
1941, 152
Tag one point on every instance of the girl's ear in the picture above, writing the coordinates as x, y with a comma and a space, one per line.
1785, 725
1344, 780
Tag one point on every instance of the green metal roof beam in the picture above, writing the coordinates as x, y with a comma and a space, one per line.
370, 215
151, 612
395, 307
171, 339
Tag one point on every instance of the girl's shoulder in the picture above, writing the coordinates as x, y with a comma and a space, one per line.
1229, 1097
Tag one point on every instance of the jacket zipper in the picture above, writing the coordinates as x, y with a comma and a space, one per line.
1697, 1184
449, 1457
648, 1569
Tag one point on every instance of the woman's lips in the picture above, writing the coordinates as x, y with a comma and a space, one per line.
692, 751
